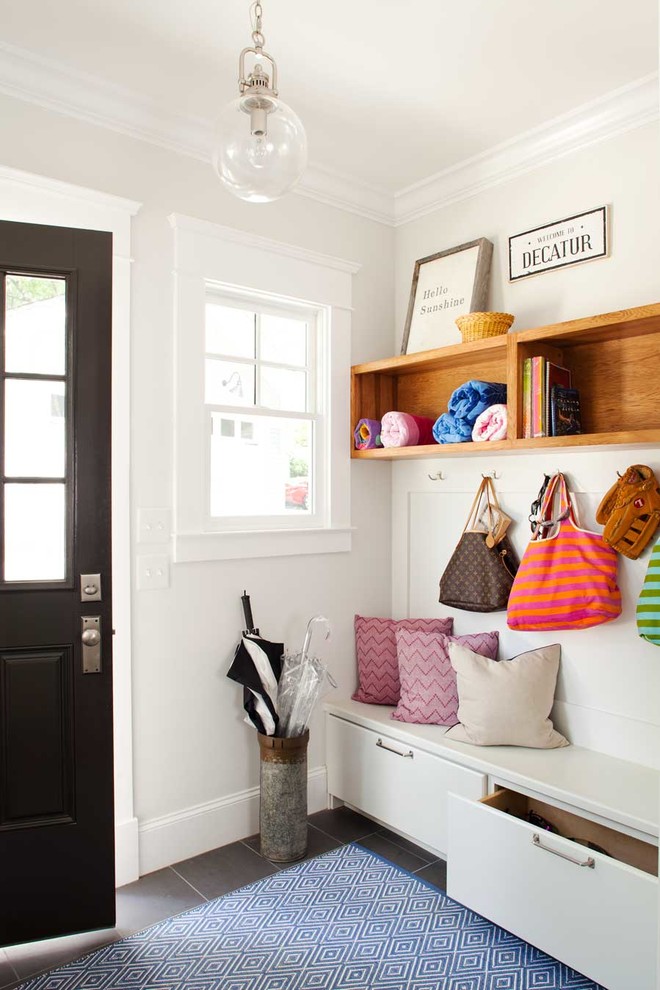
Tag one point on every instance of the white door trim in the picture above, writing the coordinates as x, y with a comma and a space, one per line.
28, 198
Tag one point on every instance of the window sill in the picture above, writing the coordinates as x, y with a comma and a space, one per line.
192, 547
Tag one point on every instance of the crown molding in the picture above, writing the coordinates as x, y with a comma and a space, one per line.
347, 193
181, 222
609, 115
55, 86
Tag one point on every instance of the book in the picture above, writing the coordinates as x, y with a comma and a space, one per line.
527, 398
555, 374
565, 411
538, 381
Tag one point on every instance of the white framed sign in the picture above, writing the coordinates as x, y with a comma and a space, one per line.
575, 239
444, 286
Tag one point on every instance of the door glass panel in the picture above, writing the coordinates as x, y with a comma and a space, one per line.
283, 389
229, 331
35, 325
229, 384
35, 527
35, 429
283, 340
262, 467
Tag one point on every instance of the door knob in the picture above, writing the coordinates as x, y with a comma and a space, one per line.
91, 644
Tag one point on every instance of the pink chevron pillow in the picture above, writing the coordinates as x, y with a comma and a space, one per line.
375, 645
428, 680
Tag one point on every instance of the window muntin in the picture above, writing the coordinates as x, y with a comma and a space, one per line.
36, 441
263, 414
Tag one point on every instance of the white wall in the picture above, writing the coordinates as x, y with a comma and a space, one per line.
610, 679
195, 761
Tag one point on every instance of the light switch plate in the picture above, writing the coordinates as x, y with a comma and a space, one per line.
154, 525
153, 572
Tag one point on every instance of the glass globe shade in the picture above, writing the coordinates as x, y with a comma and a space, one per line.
259, 167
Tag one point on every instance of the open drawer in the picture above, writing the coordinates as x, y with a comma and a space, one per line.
586, 894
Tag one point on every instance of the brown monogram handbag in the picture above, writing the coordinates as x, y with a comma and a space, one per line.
481, 570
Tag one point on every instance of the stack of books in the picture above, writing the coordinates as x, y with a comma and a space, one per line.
551, 407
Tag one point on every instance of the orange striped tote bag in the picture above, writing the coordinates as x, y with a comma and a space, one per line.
566, 580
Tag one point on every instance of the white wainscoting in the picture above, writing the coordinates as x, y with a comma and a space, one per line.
609, 679
192, 831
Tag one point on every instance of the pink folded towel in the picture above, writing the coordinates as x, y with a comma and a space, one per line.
491, 424
399, 429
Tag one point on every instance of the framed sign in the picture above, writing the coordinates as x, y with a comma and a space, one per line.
444, 286
582, 237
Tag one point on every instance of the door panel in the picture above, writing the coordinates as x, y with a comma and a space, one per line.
56, 757
37, 704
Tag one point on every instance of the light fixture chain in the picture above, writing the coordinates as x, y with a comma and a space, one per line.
256, 14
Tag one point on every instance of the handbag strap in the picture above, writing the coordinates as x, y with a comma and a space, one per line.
546, 519
473, 514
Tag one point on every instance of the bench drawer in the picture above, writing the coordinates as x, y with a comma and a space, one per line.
597, 913
400, 785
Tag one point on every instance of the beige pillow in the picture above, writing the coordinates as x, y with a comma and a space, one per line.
506, 703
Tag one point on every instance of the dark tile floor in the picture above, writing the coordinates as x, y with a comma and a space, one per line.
177, 888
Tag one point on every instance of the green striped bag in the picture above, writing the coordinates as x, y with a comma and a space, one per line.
648, 608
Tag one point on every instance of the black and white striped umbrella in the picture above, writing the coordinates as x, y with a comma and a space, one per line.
257, 665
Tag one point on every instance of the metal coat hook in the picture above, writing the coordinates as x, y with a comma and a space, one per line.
436, 477
494, 475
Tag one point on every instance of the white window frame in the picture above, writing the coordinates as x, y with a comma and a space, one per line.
208, 254
317, 367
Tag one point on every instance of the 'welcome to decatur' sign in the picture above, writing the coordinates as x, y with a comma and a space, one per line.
556, 245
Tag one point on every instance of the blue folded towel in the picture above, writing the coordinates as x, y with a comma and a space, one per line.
449, 429
469, 400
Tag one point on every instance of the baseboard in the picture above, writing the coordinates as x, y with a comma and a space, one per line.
192, 831
126, 852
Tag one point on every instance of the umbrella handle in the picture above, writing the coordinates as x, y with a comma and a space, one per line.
308, 634
247, 612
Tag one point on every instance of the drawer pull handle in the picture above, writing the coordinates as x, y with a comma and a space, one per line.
406, 756
590, 862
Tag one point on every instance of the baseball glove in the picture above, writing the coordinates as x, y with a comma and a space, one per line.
630, 511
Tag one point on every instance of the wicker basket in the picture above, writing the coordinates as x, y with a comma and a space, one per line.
478, 326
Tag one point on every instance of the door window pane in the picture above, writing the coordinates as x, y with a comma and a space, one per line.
35, 436
283, 340
35, 325
283, 389
264, 469
35, 532
229, 331
229, 384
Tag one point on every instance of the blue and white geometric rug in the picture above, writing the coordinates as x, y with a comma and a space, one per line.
347, 920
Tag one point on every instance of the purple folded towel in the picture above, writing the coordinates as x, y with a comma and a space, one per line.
367, 434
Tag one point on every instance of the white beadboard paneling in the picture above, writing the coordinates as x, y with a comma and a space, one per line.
609, 678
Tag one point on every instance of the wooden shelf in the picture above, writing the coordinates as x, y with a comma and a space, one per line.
614, 358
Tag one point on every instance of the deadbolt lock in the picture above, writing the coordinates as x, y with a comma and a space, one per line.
90, 587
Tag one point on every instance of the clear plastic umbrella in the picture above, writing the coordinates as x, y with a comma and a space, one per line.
301, 684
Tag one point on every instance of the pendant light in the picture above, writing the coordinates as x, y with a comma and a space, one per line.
261, 147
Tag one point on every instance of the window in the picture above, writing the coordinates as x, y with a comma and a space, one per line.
263, 391
262, 373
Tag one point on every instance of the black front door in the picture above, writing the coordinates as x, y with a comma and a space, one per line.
56, 757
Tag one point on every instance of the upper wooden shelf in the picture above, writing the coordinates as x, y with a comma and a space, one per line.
608, 355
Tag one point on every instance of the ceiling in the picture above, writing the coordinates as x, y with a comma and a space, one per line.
390, 92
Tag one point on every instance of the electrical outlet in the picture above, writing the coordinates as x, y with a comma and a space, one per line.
153, 572
154, 525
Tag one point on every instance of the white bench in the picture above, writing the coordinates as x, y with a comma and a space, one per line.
597, 913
